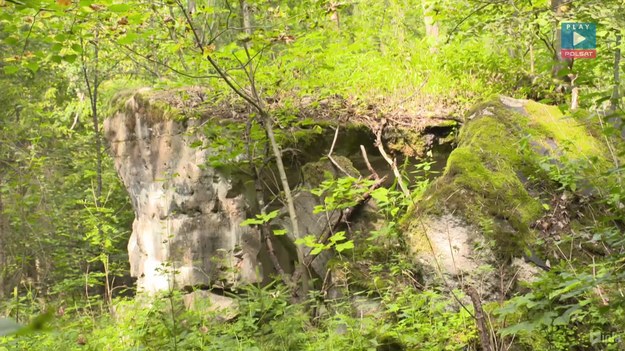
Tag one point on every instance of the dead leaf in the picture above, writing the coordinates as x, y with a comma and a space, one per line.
208, 49
286, 38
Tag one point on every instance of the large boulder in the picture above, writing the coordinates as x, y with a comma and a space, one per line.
183, 163
477, 222
187, 215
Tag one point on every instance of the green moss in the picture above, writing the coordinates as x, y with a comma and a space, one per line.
144, 102
481, 182
447, 123
564, 130
408, 143
486, 178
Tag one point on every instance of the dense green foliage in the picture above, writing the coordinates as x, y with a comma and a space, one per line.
267, 321
65, 217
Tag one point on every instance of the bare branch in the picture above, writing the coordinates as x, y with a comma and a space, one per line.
336, 135
184, 74
369, 167
392, 162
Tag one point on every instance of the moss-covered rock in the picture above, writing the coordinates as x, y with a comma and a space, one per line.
146, 102
509, 152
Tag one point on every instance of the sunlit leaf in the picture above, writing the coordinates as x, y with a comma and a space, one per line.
11, 69
344, 246
33, 66
119, 8
129, 38
279, 232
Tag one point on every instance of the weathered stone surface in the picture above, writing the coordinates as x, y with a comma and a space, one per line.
188, 211
481, 214
453, 244
187, 216
187, 228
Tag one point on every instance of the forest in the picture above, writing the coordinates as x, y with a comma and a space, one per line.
312, 175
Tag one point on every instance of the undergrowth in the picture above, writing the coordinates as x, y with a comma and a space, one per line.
265, 320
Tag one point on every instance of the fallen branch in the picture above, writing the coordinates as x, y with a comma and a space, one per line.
479, 318
369, 167
336, 136
391, 161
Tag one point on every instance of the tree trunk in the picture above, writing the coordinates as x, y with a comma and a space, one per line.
246, 21
92, 90
480, 319
432, 31
574, 92
290, 203
615, 99
556, 7
561, 63
267, 121
3, 258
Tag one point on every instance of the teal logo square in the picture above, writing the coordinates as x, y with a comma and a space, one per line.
579, 36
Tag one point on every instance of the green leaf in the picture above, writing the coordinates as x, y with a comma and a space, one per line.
308, 240
77, 48
60, 37
56, 47
129, 38
317, 250
344, 246
33, 66
338, 236
547, 317
11, 69
11, 41
260, 218
566, 316
70, 58
521, 327
380, 195
119, 8
251, 221
279, 232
